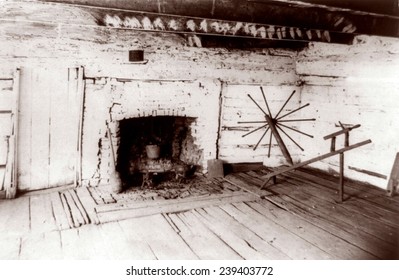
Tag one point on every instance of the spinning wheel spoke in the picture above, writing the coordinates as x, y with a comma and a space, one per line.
256, 103
298, 120
292, 94
257, 144
296, 130
256, 129
289, 137
275, 124
253, 122
300, 108
267, 105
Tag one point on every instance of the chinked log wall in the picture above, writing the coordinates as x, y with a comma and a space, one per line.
355, 84
103, 52
352, 84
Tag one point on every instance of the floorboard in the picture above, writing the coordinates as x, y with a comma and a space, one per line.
71, 249
368, 200
10, 247
122, 246
380, 223
18, 217
244, 241
163, 241
279, 237
338, 228
77, 216
298, 218
380, 227
6, 210
58, 210
359, 190
89, 204
116, 212
335, 246
92, 243
202, 241
309, 203
41, 214
41, 246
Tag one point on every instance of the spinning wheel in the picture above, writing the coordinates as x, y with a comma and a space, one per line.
276, 124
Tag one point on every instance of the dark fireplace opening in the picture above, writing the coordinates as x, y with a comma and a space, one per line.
155, 149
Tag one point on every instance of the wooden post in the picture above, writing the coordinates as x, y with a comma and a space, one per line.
394, 178
81, 95
280, 141
347, 139
332, 149
341, 178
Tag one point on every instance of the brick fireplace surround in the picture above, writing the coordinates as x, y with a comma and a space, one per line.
130, 99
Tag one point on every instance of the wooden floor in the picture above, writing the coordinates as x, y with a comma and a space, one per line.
297, 219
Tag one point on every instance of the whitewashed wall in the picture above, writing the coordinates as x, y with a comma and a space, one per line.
357, 84
74, 39
238, 107
351, 84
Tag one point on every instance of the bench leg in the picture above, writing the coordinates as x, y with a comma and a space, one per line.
341, 178
391, 187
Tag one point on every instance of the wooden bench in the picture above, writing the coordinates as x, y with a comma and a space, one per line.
333, 152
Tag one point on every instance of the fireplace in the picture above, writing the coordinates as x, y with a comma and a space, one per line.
161, 145
182, 117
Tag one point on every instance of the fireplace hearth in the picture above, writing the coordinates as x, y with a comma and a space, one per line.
156, 149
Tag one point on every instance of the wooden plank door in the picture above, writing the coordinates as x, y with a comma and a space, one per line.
48, 127
7, 114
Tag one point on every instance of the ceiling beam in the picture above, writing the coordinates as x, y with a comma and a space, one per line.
287, 13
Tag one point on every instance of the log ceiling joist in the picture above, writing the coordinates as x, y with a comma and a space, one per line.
252, 20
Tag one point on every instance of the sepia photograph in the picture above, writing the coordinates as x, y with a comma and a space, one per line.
155, 130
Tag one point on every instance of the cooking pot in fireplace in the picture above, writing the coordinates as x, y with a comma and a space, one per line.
152, 151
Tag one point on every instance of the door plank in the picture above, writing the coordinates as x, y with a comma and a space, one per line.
25, 130
40, 132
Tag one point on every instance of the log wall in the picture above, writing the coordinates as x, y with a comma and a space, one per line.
352, 84
69, 37
355, 84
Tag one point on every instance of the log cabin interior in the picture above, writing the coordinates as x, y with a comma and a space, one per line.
199, 129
